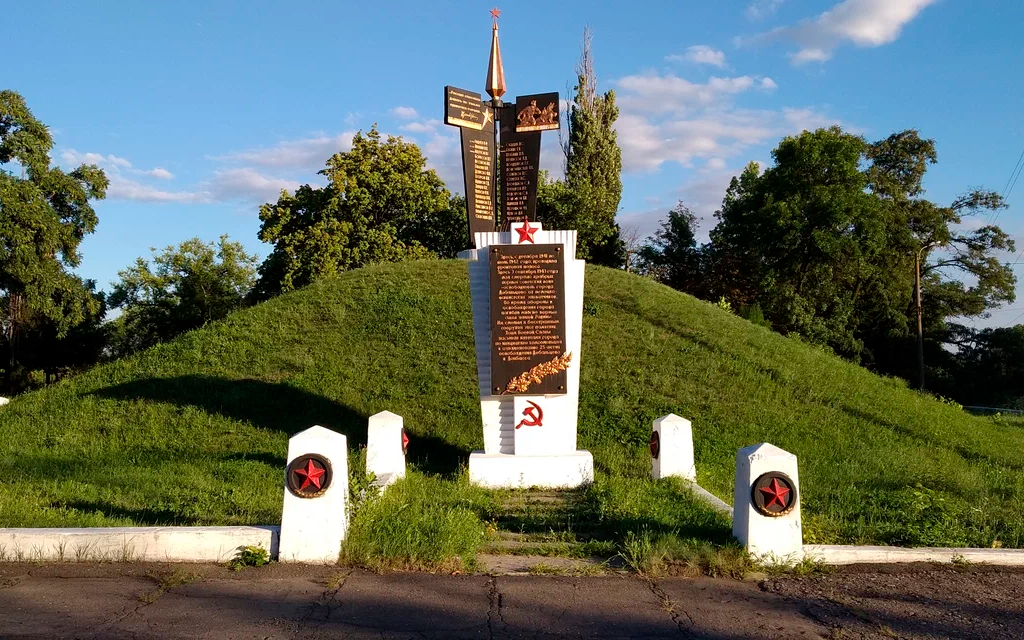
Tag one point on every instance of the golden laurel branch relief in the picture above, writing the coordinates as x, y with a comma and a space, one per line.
523, 381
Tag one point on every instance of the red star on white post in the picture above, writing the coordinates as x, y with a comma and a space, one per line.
525, 232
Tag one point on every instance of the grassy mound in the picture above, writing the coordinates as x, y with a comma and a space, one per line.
195, 431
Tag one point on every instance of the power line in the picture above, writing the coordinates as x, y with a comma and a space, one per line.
1008, 187
1014, 171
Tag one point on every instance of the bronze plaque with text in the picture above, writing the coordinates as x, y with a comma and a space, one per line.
528, 345
520, 171
478, 170
463, 109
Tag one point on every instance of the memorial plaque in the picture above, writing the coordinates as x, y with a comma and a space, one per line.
478, 171
537, 113
528, 345
463, 109
520, 170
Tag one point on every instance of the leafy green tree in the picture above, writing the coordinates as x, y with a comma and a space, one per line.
803, 237
43, 348
672, 256
184, 288
922, 232
44, 214
444, 232
588, 199
992, 369
376, 207
826, 241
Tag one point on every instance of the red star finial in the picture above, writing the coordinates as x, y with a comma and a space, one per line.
311, 475
495, 12
776, 492
526, 232
405, 442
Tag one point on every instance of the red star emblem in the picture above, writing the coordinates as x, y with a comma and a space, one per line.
776, 492
311, 475
405, 442
526, 232
495, 12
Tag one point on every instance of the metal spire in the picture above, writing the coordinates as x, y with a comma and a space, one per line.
495, 73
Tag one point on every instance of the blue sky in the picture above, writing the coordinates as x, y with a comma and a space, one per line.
200, 111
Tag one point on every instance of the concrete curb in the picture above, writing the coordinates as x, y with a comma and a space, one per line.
850, 554
706, 496
131, 544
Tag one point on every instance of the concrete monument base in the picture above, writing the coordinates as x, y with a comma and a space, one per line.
503, 471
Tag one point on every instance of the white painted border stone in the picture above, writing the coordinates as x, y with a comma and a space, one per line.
384, 456
675, 459
780, 538
312, 529
134, 544
851, 554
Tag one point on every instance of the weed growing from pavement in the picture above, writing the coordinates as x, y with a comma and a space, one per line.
249, 556
166, 582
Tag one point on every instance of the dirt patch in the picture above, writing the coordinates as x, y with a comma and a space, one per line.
910, 601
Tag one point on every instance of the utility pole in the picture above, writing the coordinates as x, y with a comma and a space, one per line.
920, 323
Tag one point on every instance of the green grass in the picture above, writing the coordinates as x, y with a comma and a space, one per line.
195, 431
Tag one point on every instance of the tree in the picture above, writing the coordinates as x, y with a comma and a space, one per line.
378, 206
185, 288
44, 214
803, 238
828, 242
589, 197
672, 256
444, 231
992, 368
926, 239
631, 246
43, 348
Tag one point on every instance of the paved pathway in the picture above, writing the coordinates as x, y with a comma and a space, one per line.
281, 601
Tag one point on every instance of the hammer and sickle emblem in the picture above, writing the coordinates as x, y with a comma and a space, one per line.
533, 420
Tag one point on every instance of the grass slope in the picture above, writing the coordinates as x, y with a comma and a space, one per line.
195, 431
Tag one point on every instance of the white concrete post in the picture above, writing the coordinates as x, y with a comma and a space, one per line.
385, 447
672, 448
314, 519
4, 401
766, 503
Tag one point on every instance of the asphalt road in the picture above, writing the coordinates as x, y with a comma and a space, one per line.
281, 601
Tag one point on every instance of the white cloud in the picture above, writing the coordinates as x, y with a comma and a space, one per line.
158, 172
405, 113
666, 118
810, 55
305, 153
122, 188
444, 155
865, 23
701, 54
652, 92
760, 9
427, 126
716, 163
75, 158
246, 185
702, 195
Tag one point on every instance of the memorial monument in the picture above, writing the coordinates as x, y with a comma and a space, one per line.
527, 290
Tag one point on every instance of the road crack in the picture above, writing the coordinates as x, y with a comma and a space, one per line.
682, 618
495, 606
328, 600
